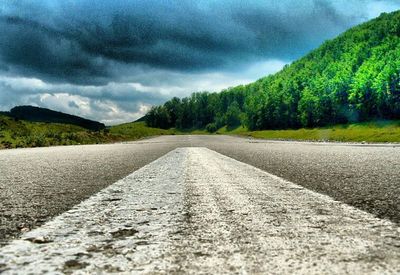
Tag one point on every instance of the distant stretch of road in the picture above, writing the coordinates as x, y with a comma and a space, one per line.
38, 184
196, 211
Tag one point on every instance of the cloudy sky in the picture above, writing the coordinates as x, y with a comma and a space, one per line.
111, 60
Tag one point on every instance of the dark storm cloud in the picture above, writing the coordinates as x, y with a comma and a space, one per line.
112, 60
286, 35
88, 42
31, 48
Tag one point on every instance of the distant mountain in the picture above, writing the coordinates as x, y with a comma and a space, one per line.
354, 77
37, 114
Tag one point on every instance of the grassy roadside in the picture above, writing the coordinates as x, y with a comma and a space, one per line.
20, 134
23, 134
137, 130
377, 131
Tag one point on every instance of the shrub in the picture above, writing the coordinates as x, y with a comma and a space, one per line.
211, 127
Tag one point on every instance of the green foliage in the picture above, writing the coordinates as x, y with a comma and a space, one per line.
136, 130
199, 110
233, 115
375, 131
355, 77
19, 133
159, 116
211, 127
49, 134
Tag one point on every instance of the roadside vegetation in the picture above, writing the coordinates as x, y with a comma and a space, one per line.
20, 134
16, 133
377, 131
137, 130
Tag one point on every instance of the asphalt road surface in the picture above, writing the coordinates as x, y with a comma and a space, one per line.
37, 184
197, 211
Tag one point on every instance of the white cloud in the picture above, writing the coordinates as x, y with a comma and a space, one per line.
103, 103
24, 82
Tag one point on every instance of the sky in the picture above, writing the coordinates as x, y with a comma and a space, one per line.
112, 60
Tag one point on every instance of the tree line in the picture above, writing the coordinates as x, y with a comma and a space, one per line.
354, 77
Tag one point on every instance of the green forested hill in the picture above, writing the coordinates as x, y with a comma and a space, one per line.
354, 77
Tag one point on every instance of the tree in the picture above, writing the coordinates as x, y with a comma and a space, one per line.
232, 116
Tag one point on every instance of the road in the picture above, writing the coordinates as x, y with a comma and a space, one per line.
196, 211
40, 183
37, 184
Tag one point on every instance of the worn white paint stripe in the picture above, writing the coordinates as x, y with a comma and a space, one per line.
265, 225
197, 211
127, 226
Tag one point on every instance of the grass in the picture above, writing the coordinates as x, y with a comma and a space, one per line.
18, 133
137, 130
376, 131
21, 134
